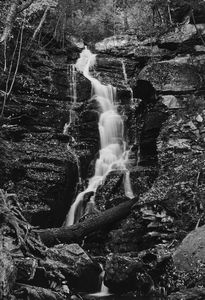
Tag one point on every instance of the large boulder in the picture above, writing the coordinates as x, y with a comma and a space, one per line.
80, 271
190, 255
124, 274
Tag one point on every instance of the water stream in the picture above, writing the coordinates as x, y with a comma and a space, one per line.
113, 154
104, 291
126, 81
72, 94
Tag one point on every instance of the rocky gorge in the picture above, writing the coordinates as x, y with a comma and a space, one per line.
154, 248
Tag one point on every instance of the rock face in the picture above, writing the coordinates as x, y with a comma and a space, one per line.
40, 166
182, 34
177, 75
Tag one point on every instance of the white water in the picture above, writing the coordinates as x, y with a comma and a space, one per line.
72, 94
126, 80
113, 154
104, 291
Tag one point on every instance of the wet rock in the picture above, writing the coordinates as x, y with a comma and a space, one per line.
190, 254
111, 192
62, 81
124, 274
80, 271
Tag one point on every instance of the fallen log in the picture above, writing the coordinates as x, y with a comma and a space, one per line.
75, 233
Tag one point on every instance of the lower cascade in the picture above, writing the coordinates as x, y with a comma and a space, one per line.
104, 291
113, 154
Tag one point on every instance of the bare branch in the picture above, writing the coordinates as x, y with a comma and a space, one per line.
24, 5
41, 23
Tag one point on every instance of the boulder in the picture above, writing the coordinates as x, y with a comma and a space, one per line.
124, 274
80, 271
190, 255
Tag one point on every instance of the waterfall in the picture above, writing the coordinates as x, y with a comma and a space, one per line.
113, 154
72, 94
71, 73
104, 291
126, 80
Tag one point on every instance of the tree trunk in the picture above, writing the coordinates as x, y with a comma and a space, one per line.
41, 23
15, 9
9, 21
76, 232
24, 5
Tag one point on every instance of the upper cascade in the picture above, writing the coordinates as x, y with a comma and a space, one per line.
113, 154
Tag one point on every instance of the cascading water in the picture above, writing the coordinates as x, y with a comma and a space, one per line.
126, 80
113, 154
72, 94
104, 291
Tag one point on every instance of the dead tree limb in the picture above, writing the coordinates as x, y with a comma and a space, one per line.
24, 5
36, 32
76, 232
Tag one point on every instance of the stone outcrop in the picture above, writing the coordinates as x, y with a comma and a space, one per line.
183, 74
